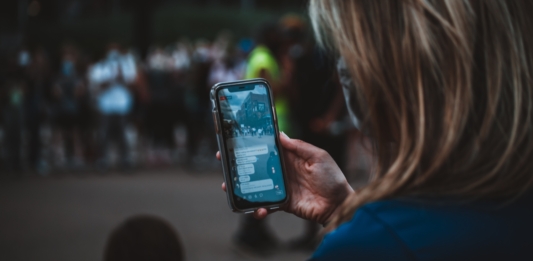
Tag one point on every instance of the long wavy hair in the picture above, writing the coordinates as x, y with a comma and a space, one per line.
446, 90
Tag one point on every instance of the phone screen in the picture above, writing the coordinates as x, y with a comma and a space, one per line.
249, 134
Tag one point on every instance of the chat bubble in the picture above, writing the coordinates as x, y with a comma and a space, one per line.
246, 160
244, 178
251, 151
246, 169
255, 186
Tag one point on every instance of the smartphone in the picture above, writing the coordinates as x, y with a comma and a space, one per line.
248, 139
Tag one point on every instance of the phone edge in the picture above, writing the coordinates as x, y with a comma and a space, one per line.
222, 149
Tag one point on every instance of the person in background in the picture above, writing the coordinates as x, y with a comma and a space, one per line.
229, 67
67, 93
252, 234
197, 103
316, 103
114, 101
12, 100
181, 56
163, 104
13, 116
87, 121
39, 81
144, 237
264, 62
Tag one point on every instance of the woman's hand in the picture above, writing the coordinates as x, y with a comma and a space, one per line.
316, 185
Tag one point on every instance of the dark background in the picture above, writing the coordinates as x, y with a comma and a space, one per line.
89, 23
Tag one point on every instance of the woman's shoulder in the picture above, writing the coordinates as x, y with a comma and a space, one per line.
358, 239
421, 228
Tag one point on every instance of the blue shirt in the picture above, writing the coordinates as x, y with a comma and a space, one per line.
115, 100
436, 230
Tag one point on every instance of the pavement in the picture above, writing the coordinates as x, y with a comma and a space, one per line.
69, 217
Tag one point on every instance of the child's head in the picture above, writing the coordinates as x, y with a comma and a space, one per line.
143, 237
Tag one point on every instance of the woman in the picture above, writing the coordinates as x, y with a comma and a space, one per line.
444, 89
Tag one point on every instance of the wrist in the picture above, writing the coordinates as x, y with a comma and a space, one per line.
336, 207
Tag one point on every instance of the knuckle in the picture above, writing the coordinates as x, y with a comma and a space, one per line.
298, 141
322, 153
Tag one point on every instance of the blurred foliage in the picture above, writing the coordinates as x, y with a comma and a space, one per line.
196, 22
91, 34
169, 23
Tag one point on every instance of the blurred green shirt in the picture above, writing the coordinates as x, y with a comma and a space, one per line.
262, 59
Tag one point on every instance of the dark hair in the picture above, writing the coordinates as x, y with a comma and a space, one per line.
143, 237
270, 35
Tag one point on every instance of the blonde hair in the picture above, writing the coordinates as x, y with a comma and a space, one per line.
446, 88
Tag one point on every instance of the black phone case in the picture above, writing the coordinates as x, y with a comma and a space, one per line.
222, 147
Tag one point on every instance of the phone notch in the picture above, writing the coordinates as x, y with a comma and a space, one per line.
240, 88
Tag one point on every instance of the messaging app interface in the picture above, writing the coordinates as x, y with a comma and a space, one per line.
248, 130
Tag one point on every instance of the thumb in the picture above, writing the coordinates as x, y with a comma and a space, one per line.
300, 148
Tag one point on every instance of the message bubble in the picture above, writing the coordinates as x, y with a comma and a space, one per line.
255, 186
246, 160
246, 169
251, 151
244, 178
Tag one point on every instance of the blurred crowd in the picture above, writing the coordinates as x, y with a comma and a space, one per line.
76, 112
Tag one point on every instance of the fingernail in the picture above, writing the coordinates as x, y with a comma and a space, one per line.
284, 134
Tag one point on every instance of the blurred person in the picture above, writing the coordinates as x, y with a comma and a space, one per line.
86, 125
245, 46
159, 60
165, 106
197, 103
316, 103
226, 63
111, 80
220, 46
13, 116
114, 105
252, 234
264, 62
228, 67
144, 237
445, 96
136, 129
202, 51
182, 56
39, 82
182, 78
13, 97
67, 95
